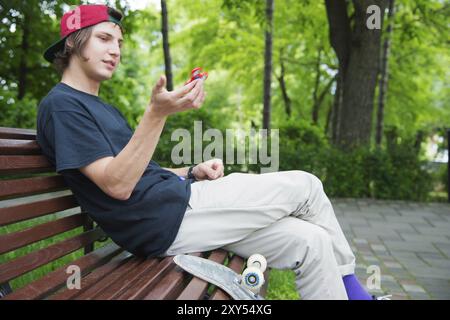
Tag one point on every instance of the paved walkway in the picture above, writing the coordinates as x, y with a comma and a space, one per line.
408, 242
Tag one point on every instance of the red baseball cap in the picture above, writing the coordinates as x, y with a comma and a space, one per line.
81, 17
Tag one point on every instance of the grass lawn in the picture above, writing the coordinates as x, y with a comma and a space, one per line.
281, 285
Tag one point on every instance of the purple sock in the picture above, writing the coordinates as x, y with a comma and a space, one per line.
355, 290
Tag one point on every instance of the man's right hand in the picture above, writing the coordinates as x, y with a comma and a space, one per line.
164, 103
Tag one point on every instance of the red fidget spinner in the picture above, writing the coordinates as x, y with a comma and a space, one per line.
197, 74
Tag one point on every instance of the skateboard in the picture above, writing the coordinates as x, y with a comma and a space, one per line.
239, 287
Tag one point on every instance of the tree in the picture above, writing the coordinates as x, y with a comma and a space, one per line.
357, 47
384, 72
166, 46
268, 63
318, 98
23, 45
282, 82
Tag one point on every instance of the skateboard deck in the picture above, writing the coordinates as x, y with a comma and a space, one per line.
216, 274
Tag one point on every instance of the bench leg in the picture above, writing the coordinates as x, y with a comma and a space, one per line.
5, 289
88, 225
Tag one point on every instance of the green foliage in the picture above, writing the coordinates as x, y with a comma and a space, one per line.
441, 177
17, 113
300, 145
396, 172
417, 95
444, 178
17, 46
227, 40
282, 285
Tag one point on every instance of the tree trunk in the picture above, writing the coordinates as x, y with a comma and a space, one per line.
340, 38
336, 109
23, 69
358, 52
328, 121
420, 135
315, 113
384, 73
282, 81
268, 64
166, 46
318, 100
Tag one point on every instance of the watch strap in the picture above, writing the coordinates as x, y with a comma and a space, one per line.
190, 175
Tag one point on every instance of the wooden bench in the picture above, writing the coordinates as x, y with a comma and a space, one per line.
31, 191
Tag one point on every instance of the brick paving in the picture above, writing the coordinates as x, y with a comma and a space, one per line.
407, 242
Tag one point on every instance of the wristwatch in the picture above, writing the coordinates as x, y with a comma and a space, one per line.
190, 175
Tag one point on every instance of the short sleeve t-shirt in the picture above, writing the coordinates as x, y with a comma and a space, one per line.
74, 129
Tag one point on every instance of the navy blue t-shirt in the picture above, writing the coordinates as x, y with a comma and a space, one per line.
74, 129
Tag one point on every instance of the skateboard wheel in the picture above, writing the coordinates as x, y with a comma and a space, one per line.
253, 279
257, 260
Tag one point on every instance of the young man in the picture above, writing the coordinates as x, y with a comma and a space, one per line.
151, 211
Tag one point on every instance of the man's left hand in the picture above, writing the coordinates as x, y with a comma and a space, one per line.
209, 170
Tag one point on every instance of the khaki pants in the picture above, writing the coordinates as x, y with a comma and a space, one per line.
285, 216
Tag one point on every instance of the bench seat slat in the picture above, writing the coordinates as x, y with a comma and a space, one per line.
121, 285
170, 286
24, 164
197, 287
30, 186
19, 266
106, 281
114, 280
19, 147
139, 289
19, 239
92, 278
51, 282
36, 209
17, 133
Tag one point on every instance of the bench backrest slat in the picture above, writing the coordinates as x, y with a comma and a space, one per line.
19, 239
24, 164
17, 133
21, 147
31, 210
30, 186
19, 266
